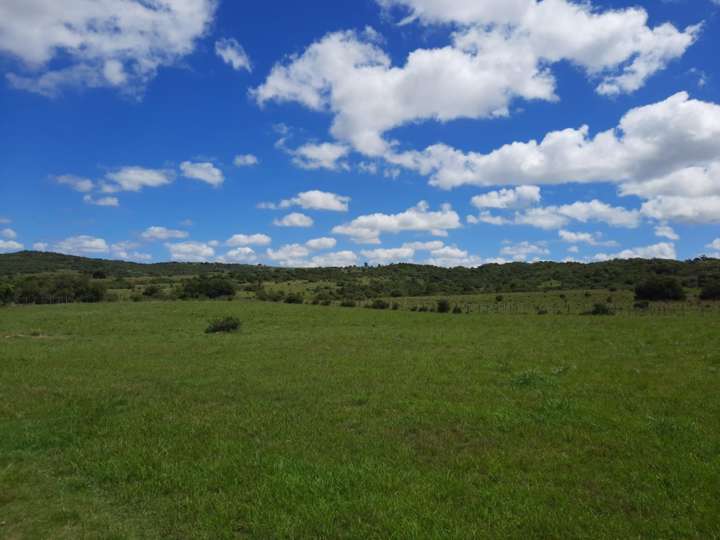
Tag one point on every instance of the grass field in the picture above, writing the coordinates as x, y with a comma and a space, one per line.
126, 420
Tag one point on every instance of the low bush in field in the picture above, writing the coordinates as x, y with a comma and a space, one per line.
457, 310
225, 324
660, 288
443, 306
208, 287
348, 303
642, 305
600, 309
710, 291
294, 298
378, 303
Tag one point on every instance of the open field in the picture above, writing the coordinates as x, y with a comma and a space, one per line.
125, 420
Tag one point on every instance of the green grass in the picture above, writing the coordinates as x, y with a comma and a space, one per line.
128, 421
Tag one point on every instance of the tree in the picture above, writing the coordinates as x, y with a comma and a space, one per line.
711, 291
660, 288
443, 306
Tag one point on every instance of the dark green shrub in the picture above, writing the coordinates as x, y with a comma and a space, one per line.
208, 287
7, 294
600, 309
660, 288
457, 310
395, 306
379, 303
294, 298
499, 298
347, 302
152, 291
226, 324
443, 306
642, 305
711, 291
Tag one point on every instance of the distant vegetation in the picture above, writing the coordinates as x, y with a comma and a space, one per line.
32, 277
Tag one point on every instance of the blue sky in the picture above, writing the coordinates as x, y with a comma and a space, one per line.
450, 132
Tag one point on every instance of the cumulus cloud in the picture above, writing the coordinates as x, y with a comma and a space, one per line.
7, 246
665, 231
191, 251
248, 240
295, 219
8, 234
321, 156
239, 255
389, 255
519, 197
715, 244
367, 229
313, 200
233, 54
321, 243
135, 179
103, 43
663, 250
162, 233
521, 251
584, 238
82, 245
102, 201
338, 259
494, 56
83, 185
291, 255
246, 160
41, 246
204, 171
126, 251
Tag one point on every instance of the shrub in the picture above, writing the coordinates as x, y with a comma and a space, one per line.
457, 310
152, 291
294, 298
600, 309
7, 295
347, 302
226, 324
642, 305
660, 288
395, 306
710, 291
443, 306
499, 298
379, 303
208, 287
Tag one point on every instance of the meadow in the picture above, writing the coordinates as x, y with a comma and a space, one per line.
126, 420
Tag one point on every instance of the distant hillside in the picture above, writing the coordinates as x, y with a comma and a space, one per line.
403, 279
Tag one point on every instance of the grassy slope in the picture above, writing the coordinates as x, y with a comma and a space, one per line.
126, 421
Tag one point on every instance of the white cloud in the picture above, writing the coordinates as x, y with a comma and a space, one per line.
291, 255
715, 244
191, 251
502, 51
205, 172
519, 197
102, 201
162, 233
684, 209
663, 250
337, 259
665, 231
246, 160
523, 250
83, 185
9, 245
239, 255
295, 219
425, 246
125, 251
321, 243
233, 54
4, 220
105, 43
135, 179
41, 246
391, 255
584, 238
8, 234
555, 217
82, 245
367, 229
313, 200
452, 256
249, 240
321, 156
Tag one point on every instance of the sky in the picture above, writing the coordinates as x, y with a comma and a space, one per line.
344, 132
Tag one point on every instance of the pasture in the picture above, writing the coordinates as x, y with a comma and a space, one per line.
126, 420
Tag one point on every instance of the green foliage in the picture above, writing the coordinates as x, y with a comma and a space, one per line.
208, 287
711, 291
443, 305
153, 291
379, 303
600, 309
348, 303
224, 324
660, 288
59, 288
7, 294
294, 298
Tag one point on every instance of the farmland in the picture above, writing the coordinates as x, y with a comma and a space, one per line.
126, 420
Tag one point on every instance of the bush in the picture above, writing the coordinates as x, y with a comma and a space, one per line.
378, 303
152, 291
7, 295
226, 324
443, 306
642, 305
660, 288
395, 306
347, 302
208, 287
600, 309
294, 298
457, 310
710, 291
